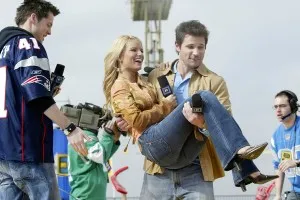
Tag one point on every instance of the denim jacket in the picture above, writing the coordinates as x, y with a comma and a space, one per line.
202, 79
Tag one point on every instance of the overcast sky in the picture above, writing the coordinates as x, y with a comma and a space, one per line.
253, 44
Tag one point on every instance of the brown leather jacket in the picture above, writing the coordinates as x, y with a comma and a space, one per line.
138, 104
202, 79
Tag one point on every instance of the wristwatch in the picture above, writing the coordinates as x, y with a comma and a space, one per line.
69, 129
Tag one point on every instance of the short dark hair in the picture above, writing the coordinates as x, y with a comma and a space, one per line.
292, 99
192, 27
40, 7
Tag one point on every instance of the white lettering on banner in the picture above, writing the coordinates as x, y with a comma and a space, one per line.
3, 112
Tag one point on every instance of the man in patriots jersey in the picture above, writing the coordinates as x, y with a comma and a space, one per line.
27, 109
285, 144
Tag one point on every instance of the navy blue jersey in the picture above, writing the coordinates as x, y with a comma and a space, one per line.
285, 144
25, 134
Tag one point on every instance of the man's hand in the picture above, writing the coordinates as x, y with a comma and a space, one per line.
57, 90
76, 139
122, 124
286, 164
172, 99
194, 118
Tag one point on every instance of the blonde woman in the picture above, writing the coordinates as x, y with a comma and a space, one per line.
165, 135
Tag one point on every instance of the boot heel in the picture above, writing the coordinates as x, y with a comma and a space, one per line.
243, 186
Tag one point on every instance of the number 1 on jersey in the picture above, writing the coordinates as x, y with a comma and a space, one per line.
3, 112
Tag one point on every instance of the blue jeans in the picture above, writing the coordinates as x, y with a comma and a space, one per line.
22, 181
52, 179
171, 144
186, 183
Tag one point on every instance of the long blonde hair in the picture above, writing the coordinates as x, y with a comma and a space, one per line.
112, 63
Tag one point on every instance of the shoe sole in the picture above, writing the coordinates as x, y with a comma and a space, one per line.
254, 153
265, 180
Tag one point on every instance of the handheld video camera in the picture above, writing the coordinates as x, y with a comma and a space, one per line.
88, 116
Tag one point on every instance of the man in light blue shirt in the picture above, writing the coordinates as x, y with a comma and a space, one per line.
285, 144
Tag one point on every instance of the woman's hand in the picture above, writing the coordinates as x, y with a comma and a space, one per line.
172, 99
122, 124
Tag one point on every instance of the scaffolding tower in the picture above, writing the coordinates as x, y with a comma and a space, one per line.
152, 12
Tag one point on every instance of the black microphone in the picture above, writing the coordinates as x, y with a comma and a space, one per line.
286, 116
197, 103
57, 78
164, 86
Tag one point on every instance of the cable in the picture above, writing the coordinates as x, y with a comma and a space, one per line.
68, 193
125, 149
294, 153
